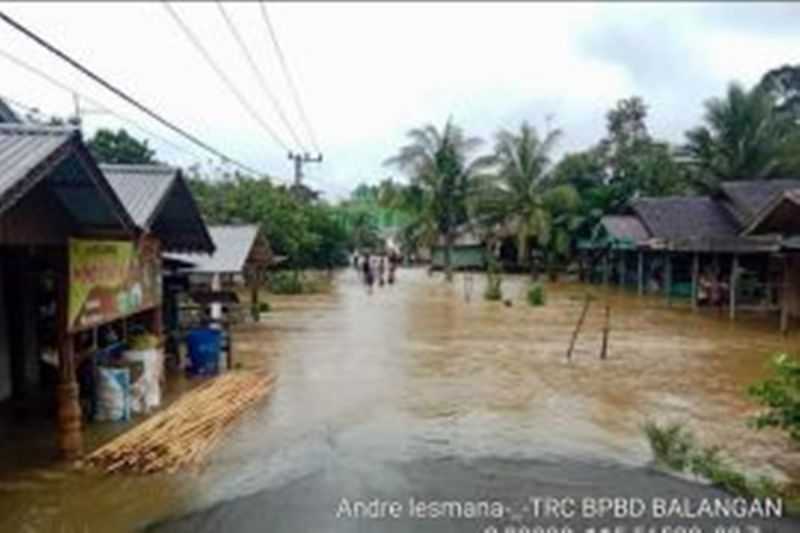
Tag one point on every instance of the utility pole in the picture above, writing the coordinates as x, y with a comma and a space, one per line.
299, 159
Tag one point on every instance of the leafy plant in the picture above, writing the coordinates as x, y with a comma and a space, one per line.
780, 394
287, 282
494, 282
536, 294
675, 447
440, 167
671, 445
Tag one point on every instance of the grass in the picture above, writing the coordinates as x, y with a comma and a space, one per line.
294, 282
675, 448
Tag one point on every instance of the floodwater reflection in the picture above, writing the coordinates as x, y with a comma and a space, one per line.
415, 371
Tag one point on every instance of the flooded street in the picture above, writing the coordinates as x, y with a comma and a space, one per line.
394, 386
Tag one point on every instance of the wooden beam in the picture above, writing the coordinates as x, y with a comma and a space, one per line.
668, 277
695, 279
70, 440
786, 288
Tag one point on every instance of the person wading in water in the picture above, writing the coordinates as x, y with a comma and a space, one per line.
369, 278
393, 260
381, 271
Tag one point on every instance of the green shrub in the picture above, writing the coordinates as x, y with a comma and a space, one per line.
536, 294
671, 445
264, 307
674, 446
780, 394
494, 282
286, 282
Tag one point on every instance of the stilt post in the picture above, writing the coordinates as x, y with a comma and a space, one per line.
733, 281
640, 273
668, 277
695, 279
70, 440
785, 291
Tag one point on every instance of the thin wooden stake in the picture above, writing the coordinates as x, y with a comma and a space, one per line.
606, 330
578, 326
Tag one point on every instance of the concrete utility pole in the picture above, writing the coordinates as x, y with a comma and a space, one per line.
299, 159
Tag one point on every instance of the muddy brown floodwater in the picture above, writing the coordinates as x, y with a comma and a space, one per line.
416, 372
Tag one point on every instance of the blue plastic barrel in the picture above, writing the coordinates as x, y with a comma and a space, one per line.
204, 349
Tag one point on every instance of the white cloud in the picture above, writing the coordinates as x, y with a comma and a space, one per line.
369, 72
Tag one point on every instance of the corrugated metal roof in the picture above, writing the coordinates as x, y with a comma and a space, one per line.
22, 148
141, 188
7, 114
625, 227
749, 197
685, 217
233, 245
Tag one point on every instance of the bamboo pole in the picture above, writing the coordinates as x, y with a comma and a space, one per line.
578, 326
606, 331
185, 433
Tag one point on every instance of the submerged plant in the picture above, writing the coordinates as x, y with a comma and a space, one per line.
536, 294
671, 445
494, 282
675, 447
780, 394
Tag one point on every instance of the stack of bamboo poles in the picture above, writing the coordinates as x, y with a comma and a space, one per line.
186, 432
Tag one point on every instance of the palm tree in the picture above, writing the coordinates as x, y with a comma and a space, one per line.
523, 197
744, 137
440, 166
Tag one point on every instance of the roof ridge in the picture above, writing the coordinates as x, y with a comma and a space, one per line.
7, 128
147, 168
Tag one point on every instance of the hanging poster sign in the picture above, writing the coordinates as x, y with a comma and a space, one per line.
110, 280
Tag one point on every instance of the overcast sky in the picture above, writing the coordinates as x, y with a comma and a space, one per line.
369, 72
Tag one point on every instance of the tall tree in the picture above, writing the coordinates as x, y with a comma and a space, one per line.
439, 162
783, 85
522, 195
120, 148
637, 164
744, 137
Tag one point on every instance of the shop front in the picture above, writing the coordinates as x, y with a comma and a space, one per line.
54, 202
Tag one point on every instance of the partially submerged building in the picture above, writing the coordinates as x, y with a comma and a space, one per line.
737, 248
80, 263
241, 258
66, 242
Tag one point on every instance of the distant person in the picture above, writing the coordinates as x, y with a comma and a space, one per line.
393, 259
381, 271
366, 267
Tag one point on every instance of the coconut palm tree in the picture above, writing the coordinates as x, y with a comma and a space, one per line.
523, 198
743, 137
440, 165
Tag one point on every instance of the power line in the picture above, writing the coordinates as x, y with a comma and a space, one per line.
52, 49
293, 88
228, 83
258, 74
30, 68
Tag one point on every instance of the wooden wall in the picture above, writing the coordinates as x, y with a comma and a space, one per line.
38, 219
